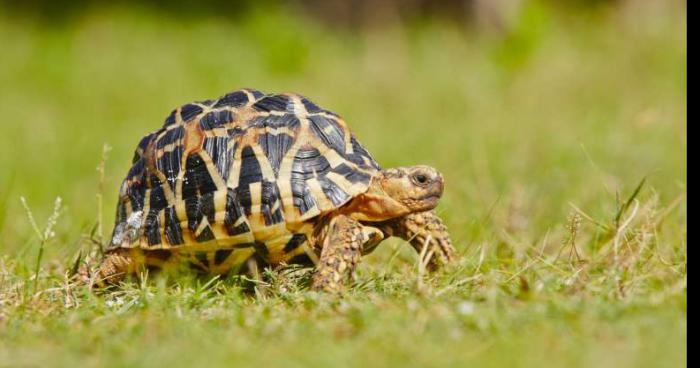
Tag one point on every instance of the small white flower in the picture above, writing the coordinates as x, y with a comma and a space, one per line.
465, 308
115, 303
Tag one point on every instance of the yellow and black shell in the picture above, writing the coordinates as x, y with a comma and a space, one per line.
247, 171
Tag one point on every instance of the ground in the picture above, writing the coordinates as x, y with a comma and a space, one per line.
562, 140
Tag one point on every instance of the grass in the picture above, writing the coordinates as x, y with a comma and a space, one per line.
544, 134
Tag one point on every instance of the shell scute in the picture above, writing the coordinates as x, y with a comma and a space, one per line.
151, 228
172, 230
220, 154
329, 132
239, 98
310, 107
189, 111
281, 103
275, 148
197, 180
234, 219
216, 119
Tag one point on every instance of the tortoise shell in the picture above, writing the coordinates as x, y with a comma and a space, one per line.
247, 170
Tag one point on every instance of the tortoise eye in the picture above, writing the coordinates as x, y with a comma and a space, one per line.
420, 179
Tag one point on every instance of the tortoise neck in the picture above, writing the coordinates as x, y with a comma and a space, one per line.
375, 205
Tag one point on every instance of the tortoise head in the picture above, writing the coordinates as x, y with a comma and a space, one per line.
397, 192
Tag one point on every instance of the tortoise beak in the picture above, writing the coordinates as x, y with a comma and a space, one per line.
432, 185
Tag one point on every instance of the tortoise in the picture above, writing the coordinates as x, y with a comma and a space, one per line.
253, 179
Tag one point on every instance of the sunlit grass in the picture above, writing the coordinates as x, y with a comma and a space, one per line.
543, 134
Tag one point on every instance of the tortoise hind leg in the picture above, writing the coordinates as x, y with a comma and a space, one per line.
341, 252
116, 266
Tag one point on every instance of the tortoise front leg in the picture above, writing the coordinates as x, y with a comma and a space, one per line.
425, 228
341, 252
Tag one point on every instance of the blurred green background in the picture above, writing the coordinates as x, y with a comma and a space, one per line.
526, 106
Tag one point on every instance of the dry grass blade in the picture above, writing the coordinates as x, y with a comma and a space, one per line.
589, 218
44, 236
621, 210
619, 233
100, 191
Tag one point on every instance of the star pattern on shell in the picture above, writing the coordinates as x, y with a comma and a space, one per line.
245, 171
